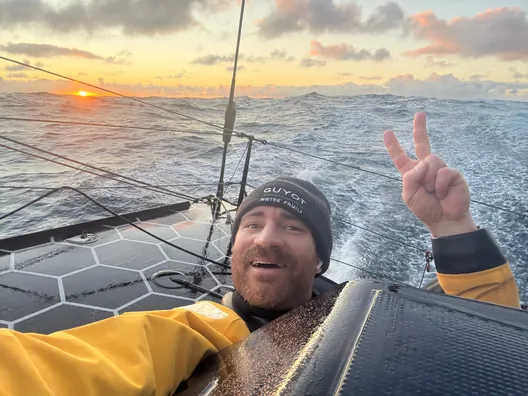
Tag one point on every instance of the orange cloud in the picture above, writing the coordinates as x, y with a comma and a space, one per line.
347, 52
500, 32
49, 51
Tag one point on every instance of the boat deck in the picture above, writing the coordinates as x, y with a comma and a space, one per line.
50, 282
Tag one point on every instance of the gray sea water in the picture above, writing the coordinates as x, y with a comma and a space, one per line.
486, 140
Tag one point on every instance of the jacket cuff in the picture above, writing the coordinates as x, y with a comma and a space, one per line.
466, 253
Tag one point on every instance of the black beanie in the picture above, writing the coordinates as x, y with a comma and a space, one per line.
301, 198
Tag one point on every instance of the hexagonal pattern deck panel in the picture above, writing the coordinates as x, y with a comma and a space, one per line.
23, 294
67, 282
54, 259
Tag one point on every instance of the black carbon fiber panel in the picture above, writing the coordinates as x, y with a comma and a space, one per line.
409, 347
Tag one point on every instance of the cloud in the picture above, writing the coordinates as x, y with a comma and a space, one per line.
347, 52
230, 68
47, 51
125, 53
50, 51
499, 32
275, 55
17, 75
449, 86
138, 17
318, 16
209, 60
117, 61
256, 59
371, 78
436, 85
478, 77
177, 75
214, 59
281, 55
308, 62
16, 67
431, 62
387, 17
517, 75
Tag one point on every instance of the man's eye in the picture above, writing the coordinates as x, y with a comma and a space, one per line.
292, 228
251, 225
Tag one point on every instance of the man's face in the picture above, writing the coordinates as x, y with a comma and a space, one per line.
274, 259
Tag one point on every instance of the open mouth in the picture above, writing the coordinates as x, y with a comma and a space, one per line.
260, 264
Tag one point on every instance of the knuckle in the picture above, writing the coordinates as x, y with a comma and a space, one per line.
435, 160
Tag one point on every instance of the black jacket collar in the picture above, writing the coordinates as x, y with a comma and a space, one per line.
254, 317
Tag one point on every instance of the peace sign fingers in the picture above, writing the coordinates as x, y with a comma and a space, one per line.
403, 163
421, 139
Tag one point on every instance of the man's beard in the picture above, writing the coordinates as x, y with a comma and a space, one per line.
273, 295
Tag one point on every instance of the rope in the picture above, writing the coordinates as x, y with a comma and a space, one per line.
367, 271
185, 196
379, 234
181, 282
499, 208
107, 125
114, 214
115, 187
233, 175
331, 161
238, 134
383, 175
98, 174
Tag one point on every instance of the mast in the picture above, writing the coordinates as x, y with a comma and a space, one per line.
230, 117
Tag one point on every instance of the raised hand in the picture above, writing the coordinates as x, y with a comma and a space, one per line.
436, 194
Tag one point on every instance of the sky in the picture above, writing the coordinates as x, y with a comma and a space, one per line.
184, 48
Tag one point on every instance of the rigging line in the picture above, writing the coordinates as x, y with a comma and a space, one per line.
497, 207
107, 125
116, 187
379, 234
383, 175
238, 134
114, 214
367, 271
184, 196
90, 172
228, 215
233, 175
331, 160
29, 203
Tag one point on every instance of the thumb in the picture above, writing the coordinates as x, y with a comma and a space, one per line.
413, 179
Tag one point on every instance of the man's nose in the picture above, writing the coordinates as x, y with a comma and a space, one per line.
269, 236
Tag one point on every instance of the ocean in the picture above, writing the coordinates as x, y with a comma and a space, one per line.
487, 140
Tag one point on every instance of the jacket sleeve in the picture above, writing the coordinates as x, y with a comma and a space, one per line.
472, 266
142, 353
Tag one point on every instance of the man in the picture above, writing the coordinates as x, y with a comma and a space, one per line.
282, 241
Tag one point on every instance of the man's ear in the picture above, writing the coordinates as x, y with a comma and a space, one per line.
319, 267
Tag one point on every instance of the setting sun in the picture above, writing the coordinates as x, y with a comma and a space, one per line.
84, 93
